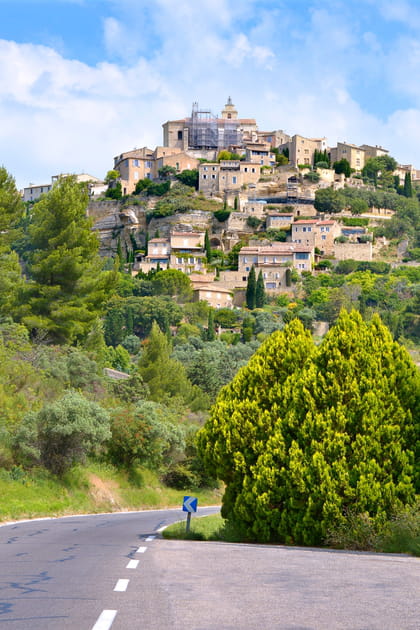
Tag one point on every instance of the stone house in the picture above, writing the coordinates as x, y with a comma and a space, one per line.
354, 155
275, 255
33, 192
187, 251
301, 149
315, 233
278, 220
227, 176
145, 163
214, 294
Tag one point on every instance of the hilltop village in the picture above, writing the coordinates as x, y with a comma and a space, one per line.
219, 188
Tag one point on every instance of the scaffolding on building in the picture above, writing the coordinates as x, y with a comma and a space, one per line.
207, 131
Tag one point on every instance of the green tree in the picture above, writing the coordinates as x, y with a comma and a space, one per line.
408, 189
260, 296
174, 283
166, 171
328, 200
251, 288
63, 433
114, 191
207, 247
342, 166
189, 177
305, 436
11, 209
68, 288
211, 333
165, 377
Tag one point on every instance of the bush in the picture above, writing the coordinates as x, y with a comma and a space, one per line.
62, 433
222, 215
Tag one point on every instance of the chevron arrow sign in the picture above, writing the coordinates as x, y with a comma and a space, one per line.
190, 504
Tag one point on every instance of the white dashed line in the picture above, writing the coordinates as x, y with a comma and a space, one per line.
121, 586
133, 564
150, 538
105, 620
141, 550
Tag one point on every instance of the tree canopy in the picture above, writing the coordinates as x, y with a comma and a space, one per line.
304, 435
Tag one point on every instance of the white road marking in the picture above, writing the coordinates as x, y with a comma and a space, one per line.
121, 586
150, 538
133, 564
105, 620
141, 550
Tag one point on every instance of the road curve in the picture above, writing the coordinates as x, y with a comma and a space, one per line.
111, 572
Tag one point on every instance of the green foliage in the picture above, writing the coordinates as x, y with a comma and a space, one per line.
166, 171
260, 296
342, 166
11, 208
251, 288
408, 188
312, 177
355, 221
62, 433
222, 215
68, 288
112, 176
207, 247
189, 177
321, 157
114, 191
253, 222
303, 435
145, 433
328, 200
174, 283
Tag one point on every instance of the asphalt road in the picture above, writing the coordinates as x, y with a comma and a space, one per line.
112, 572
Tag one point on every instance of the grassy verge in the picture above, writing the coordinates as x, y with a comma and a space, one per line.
212, 527
91, 489
400, 535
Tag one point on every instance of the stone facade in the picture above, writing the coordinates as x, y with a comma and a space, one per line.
301, 149
354, 155
314, 233
354, 251
227, 176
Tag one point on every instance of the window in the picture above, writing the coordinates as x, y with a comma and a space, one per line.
213, 176
135, 162
191, 261
204, 176
179, 135
234, 179
270, 285
245, 169
252, 170
205, 168
302, 256
136, 175
149, 164
324, 237
179, 261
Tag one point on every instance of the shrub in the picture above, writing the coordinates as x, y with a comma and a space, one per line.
62, 433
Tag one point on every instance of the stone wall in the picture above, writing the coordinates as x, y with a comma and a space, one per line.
354, 251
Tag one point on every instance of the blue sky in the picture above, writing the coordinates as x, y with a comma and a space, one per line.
83, 80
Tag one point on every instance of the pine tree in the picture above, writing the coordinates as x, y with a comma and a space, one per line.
260, 296
251, 288
67, 287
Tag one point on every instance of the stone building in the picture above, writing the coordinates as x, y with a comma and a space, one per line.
227, 176
301, 149
354, 155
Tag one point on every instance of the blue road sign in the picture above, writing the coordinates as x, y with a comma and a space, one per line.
190, 504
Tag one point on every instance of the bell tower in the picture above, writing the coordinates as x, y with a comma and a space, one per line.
229, 110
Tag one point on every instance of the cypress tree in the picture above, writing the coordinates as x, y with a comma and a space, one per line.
211, 333
207, 246
408, 189
305, 436
251, 289
260, 296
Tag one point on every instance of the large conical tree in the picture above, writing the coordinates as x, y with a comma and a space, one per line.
245, 411
251, 288
67, 288
341, 437
260, 296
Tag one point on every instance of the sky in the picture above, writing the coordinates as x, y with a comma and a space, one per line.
82, 81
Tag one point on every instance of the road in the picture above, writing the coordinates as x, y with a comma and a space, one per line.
114, 572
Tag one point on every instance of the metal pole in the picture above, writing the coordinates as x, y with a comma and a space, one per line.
188, 522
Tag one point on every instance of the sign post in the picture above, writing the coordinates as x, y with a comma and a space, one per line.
189, 505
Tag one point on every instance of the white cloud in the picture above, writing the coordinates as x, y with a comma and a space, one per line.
67, 116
